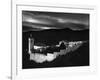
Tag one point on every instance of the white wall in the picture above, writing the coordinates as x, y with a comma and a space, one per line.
5, 37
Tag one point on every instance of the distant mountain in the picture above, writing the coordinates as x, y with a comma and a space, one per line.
39, 27
74, 26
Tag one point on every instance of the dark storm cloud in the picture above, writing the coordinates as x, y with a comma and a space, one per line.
50, 20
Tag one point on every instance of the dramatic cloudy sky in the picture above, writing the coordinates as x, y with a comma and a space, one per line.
32, 20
